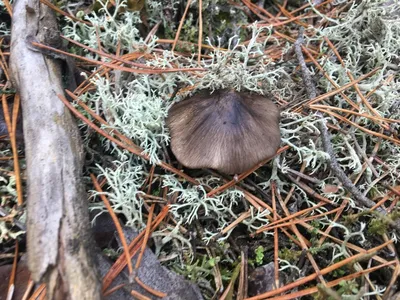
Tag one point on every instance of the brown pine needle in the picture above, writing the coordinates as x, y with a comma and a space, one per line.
363, 99
42, 296
241, 218
139, 296
112, 290
3, 61
290, 217
61, 12
321, 69
376, 119
309, 4
146, 237
149, 289
116, 222
276, 236
200, 31
103, 122
339, 241
38, 291
167, 41
285, 224
115, 58
8, 7
229, 289
133, 247
243, 277
377, 134
116, 66
296, 221
303, 241
333, 283
11, 282
294, 19
245, 174
395, 275
253, 6
324, 271
255, 11
345, 87
339, 212
12, 133
310, 191
178, 32
260, 205
28, 290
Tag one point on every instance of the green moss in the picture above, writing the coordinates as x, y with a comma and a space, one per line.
378, 226
289, 255
201, 268
259, 252
348, 287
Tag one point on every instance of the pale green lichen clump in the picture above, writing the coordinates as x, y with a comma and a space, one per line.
367, 36
136, 105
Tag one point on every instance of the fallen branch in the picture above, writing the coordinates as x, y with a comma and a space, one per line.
59, 243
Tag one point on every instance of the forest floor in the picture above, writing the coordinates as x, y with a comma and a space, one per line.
319, 220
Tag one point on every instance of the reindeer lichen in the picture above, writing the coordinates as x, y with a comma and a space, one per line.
367, 36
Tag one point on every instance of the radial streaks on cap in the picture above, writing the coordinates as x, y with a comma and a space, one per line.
225, 130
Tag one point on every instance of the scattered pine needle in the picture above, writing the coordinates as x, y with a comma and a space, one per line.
11, 282
114, 289
244, 175
283, 222
178, 32
228, 294
200, 31
11, 127
146, 237
40, 290
8, 7
133, 248
149, 289
139, 296
58, 10
143, 70
330, 284
28, 290
276, 236
116, 222
324, 271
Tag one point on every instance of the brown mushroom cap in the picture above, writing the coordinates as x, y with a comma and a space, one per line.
226, 130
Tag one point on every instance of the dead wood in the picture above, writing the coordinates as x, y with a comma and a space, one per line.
59, 242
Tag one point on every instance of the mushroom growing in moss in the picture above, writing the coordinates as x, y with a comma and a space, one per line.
225, 130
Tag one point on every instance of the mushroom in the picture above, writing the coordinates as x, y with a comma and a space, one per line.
226, 130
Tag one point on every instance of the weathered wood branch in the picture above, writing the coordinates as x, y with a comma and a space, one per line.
59, 242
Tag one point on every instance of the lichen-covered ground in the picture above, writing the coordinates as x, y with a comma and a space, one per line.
294, 212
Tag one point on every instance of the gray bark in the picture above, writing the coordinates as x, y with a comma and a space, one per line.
59, 242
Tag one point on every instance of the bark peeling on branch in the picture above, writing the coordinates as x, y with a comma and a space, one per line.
59, 242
